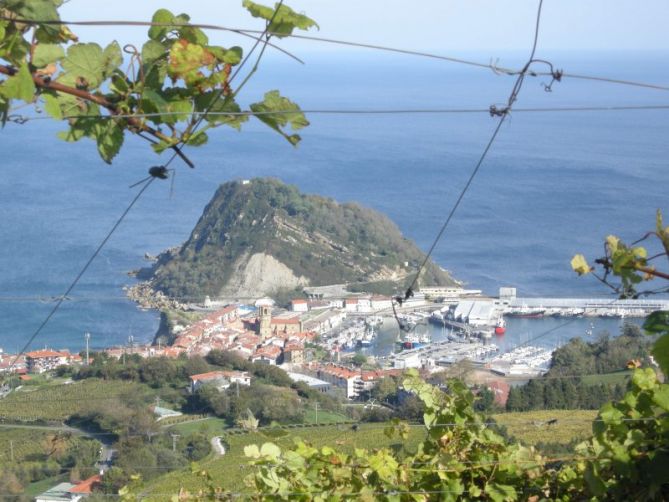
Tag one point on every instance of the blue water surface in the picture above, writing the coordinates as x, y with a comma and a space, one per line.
553, 184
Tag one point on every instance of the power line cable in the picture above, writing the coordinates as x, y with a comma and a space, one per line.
251, 32
351, 111
503, 114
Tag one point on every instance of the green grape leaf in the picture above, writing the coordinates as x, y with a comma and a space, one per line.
4, 110
52, 106
19, 86
190, 33
84, 66
112, 59
198, 139
288, 113
660, 353
499, 493
644, 378
270, 450
161, 16
46, 54
661, 397
154, 59
233, 55
151, 52
109, 137
44, 10
662, 232
283, 21
252, 451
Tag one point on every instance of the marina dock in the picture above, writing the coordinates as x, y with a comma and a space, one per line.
444, 353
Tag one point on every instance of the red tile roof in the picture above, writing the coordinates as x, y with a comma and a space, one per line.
39, 354
210, 375
86, 486
291, 320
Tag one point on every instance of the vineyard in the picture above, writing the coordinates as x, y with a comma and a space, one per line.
39, 456
230, 470
55, 403
28, 445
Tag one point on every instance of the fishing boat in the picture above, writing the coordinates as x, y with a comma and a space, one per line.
500, 327
368, 336
413, 341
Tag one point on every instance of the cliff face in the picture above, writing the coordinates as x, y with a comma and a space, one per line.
262, 237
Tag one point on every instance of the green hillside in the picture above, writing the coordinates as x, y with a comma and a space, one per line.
229, 471
311, 240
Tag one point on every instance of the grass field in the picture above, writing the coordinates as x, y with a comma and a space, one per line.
324, 417
229, 471
212, 426
58, 402
620, 377
531, 427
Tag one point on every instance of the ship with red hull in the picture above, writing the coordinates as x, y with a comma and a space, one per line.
500, 328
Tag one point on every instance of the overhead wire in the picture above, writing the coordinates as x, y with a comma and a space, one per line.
502, 114
147, 183
352, 111
252, 32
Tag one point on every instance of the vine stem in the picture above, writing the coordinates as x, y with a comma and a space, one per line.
651, 271
47, 84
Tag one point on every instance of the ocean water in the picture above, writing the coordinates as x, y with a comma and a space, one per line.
553, 184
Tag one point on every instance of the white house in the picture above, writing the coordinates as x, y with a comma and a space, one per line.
221, 379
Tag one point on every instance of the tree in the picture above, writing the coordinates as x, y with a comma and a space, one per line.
359, 359
631, 265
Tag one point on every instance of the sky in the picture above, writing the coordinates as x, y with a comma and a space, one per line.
449, 27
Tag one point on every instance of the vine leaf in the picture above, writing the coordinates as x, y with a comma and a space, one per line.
283, 21
52, 106
46, 54
44, 10
580, 265
662, 232
161, 16
658, 323
84, 66
109, 137
19, 86
112, 58
287, 113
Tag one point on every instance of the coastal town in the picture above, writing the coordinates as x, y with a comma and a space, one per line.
315, 338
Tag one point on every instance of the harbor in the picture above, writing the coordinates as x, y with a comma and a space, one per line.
483, 317
508, 335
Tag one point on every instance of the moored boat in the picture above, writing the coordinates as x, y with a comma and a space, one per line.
500, 328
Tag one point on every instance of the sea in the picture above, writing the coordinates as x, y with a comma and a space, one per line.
553, 184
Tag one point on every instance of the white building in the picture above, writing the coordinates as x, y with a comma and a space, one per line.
221, 379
